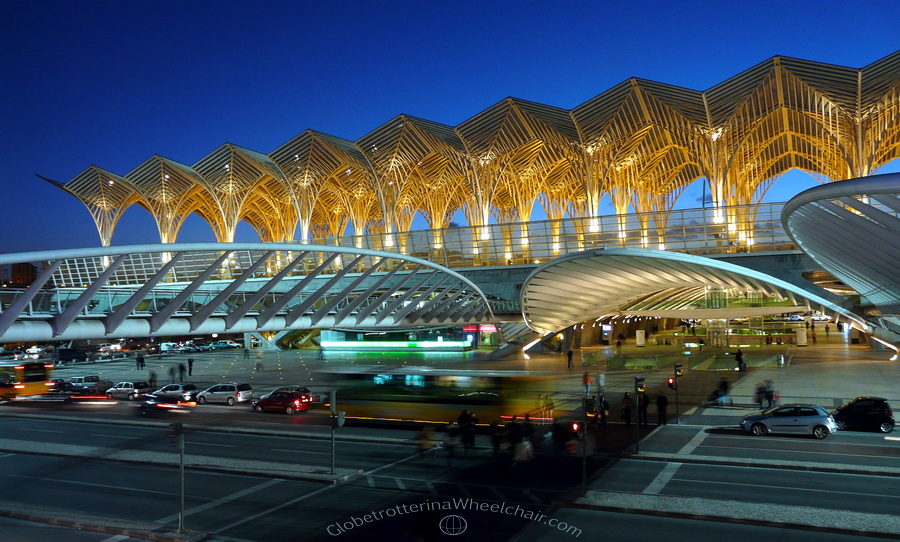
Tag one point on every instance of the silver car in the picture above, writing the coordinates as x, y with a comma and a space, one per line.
129, 390
790, 419
226, 393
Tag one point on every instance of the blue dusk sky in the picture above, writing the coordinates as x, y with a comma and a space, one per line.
110, 83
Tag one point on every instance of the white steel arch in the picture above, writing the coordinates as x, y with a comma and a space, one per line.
204, 288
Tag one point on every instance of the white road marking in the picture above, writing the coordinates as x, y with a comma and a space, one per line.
117, 538
371, 481
804, 452
692, 445
788, 488
400, 484
233, 496
40, 430
210, 444
299, 451
662, 479
116, 436
270, 510
91, 484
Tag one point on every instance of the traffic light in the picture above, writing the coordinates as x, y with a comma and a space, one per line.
671, 382
576, 427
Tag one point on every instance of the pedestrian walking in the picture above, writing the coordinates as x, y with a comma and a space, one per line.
725, 392
496, 433
549, 406
587, 381
137, 362
513, 432
428, 442
813, 336
152, 378
172, 373
539, 405
604, 410
827, 329
246, 353
569, 355
618, 346
643, 405
190, 366
181, 371
451, 441
522, 454
467, 430
662, 403
143, 361
258, 367
769, 393
527, 427
739, 358
627, 407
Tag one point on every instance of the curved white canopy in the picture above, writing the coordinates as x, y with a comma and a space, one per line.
587, 285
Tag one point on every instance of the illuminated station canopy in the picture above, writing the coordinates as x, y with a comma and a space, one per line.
641, 143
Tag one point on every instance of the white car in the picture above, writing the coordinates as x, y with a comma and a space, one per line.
36, 349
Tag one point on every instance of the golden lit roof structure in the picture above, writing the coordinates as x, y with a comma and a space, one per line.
641, 143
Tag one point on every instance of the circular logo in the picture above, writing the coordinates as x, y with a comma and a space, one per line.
453, 525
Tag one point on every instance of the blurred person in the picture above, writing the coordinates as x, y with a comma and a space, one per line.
627, 407
451, 441
643, 405
662, 402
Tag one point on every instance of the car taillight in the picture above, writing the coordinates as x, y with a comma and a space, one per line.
296, 402
306, 399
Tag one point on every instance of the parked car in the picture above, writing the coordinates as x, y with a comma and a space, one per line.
226, 393
790, 419
129, 390
288, 402
36, 349
158, 406
91, 384
200, 346
187, 347
873, 413
178, 392
223, 345
168, 347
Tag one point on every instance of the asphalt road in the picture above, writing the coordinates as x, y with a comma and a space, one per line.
537, 502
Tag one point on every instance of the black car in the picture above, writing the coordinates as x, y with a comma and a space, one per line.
161, 406
871, 413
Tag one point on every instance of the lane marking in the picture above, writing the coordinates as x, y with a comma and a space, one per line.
804, 452
40, 430
694, 442
223, 500
659, 483
116, 538
299, 451
117, 436
210, 444
400, 484
788, 488
371, 481
91, 484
